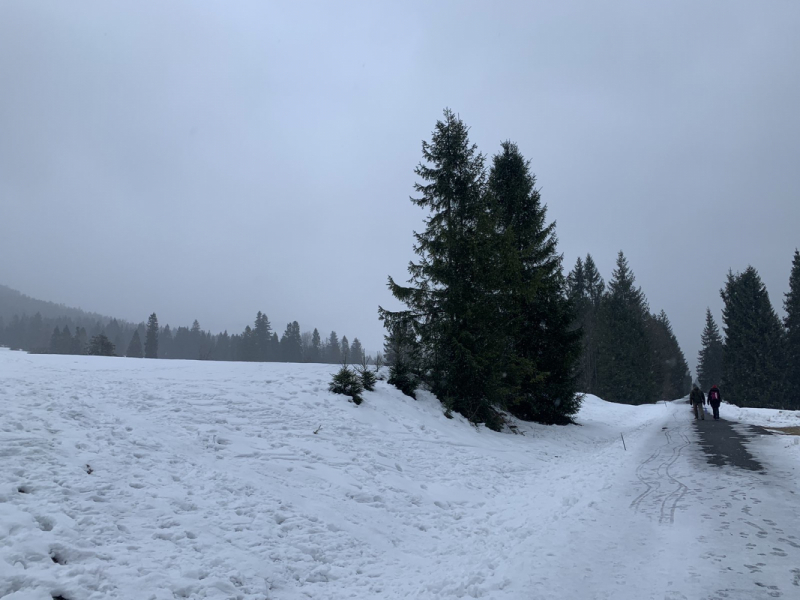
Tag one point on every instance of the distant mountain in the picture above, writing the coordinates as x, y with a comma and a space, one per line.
13, 303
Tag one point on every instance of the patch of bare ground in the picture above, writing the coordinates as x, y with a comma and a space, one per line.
785, 430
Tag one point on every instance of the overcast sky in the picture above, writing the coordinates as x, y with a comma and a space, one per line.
206, 160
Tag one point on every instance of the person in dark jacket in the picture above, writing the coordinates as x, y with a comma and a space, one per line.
698, 399
714, 399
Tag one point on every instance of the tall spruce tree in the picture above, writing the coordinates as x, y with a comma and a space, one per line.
151, 337
624, 363
55, 341
446, 295
356, 352
576, 286
534, 315
166, 343
753, 358
315, 352
791, 322
291, 344
262, 332
135, 346
710, 359
333, 353
595, 288
585, 288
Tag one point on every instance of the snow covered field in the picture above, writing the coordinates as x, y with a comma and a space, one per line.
139, 479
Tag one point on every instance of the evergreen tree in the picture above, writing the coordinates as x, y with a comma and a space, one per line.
346, 357
263, 338
315, 351
114, 332
595, 286
222, 346
753, 358
291, 345
135, 346
710, 359
356, 352
534, 315
55, 341
275, 347
402, 355
151, 337
791, 305
100, 345
585, 289
447, 290
248, 348
368, 376
668, 365
623, 362
576, 284
333, 351
165, 343
347, 382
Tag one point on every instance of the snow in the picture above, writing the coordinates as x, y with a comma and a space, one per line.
761, 416
143, 479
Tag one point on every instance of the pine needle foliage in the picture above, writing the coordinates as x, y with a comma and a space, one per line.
624, 352
585, 288
347, 382
151, 337
533, 315
791, 322
100, 345
753, 363
368, 376
710, 357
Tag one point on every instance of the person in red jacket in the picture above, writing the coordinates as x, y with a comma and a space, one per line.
714, 399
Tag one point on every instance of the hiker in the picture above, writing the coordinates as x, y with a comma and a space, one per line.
714, 399
697, 399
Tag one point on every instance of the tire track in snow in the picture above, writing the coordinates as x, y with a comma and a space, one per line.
655, 473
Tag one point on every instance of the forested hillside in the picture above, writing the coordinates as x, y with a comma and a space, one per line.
46, 327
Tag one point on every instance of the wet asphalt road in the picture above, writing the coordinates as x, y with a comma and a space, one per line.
725, 445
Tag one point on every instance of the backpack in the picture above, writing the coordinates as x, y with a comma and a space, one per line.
713, 396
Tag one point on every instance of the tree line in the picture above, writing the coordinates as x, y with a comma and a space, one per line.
259, 343
628, 354
756, 362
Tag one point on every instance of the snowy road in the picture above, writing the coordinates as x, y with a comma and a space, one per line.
669, 525
148, 480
